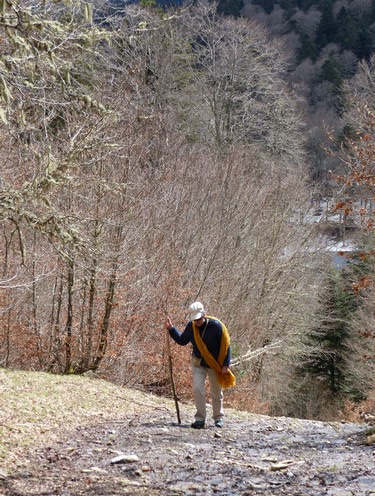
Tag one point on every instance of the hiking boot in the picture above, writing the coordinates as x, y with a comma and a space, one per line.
198, 424
219, 423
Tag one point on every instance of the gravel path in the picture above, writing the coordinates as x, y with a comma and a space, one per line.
252, 455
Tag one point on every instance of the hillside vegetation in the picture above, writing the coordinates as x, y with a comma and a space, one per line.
326, 41
150, 158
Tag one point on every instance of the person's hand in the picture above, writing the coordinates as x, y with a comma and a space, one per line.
168, 324
224, 370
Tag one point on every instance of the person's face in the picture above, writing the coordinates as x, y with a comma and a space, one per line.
199, 322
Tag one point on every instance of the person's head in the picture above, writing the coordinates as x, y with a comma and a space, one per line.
196, 311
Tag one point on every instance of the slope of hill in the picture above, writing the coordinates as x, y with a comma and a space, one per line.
325, 42
69, 435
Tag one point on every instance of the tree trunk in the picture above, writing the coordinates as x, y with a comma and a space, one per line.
55, 344
103, 338
69, 320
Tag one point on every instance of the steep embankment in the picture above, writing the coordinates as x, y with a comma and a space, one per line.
65, 435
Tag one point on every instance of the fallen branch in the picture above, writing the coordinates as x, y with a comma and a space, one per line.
252, 354
141, 404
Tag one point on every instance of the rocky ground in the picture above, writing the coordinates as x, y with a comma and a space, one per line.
150, 453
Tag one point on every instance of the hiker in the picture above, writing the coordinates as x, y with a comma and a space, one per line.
210, 357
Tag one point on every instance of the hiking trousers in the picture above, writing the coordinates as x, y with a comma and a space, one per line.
199, 386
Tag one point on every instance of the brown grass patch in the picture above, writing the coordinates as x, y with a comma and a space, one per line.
37, 408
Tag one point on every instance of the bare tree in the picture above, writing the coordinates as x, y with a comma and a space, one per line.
244, 97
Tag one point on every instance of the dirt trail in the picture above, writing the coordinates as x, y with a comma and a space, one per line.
252, 455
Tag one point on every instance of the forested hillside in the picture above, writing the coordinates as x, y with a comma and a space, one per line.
325, 41
154, 157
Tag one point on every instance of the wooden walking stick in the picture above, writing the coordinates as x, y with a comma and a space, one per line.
172, 378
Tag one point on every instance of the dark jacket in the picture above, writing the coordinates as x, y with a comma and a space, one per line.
211, 337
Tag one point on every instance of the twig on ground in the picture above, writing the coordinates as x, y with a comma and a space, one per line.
141, 404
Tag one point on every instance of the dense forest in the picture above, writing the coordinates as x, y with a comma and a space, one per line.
155, 156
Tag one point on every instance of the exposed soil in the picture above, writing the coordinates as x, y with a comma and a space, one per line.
252, 455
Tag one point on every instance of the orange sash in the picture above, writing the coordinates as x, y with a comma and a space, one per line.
227, 380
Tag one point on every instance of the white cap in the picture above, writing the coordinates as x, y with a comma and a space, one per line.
196, 310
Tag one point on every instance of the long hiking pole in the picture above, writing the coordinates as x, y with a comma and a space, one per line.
172, 379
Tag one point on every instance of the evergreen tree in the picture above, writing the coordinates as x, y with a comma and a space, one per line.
305, 5
267, 5
328, 342
331, 71
348, 31
327, 27
306, 50
365, 45
230, 7
289, 7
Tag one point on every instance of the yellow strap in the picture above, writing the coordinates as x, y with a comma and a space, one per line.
227, 380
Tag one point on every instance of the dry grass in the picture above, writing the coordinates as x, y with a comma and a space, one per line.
37, 408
